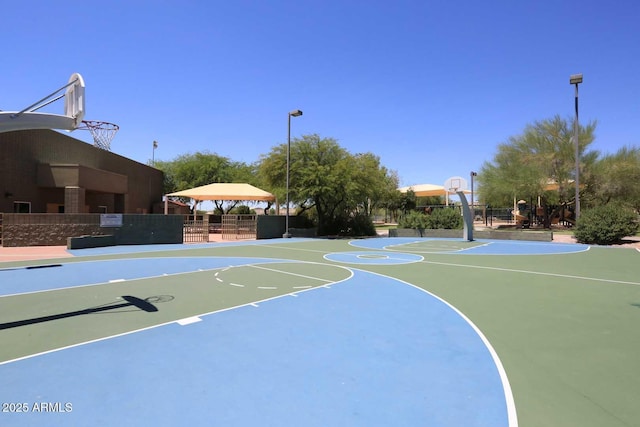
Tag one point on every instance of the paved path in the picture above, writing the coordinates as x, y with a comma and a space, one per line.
33, 253
28, 253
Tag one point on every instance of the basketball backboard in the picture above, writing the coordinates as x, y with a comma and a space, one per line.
455, 184
74, 98
29, 118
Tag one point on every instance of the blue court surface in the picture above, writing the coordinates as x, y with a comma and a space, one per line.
289, 332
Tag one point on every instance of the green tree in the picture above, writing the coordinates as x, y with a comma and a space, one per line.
618, 179
391, 198
203, 168
373, 183
540, 162
408, 201
327, 180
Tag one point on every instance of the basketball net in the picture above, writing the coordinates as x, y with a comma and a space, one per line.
102, 132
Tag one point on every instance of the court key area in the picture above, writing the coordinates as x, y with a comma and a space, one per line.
315, 332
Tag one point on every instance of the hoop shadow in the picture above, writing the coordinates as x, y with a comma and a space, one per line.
131, 301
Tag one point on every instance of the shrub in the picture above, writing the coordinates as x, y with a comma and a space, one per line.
445, 218
606, 224
359, 225
439, 218
354, 225
414, 219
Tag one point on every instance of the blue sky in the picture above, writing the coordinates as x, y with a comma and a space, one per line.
431, 87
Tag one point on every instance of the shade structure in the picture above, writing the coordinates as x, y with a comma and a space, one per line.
225, 191
426, 190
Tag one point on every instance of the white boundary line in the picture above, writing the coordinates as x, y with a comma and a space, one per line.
508, 394
108, 282
286, 272
401, 261
398, 247
512, 415
539, 273
249, 304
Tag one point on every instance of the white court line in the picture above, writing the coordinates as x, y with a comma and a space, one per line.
291, 274
539, 273
188, 321
103, 283
117, 280
506, 386
159, 325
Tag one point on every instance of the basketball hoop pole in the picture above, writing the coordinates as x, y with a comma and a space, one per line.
467, 233
35, 104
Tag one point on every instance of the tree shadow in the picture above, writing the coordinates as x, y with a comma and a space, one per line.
130, 301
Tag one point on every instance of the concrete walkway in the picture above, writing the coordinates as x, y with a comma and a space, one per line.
33, 253
30, 253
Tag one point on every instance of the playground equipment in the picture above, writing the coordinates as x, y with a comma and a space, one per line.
525, 215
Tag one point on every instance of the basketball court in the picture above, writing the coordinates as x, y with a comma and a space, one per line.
383, 331
312, 332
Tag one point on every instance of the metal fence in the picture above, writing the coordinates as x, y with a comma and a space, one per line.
495, 216
239, 227
195, 229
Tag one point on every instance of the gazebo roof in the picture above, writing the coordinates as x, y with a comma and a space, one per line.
225, 191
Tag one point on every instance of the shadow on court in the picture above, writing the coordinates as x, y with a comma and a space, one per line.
130, 301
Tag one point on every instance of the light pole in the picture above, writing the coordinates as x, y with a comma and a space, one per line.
153, 154
576, 79
294, 113
473, 212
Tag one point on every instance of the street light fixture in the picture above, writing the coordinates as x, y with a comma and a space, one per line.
153, 153
294, 113
576, 79
473, 174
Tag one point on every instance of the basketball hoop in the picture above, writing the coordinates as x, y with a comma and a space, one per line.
102, 132
455, 184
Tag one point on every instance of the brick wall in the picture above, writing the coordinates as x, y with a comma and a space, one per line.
54, 229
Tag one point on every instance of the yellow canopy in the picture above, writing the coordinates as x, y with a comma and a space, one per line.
425, 190
225, 191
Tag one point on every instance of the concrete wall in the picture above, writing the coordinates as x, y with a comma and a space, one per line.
537, 235
273, 227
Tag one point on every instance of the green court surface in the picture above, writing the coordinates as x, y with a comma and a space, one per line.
563, 319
